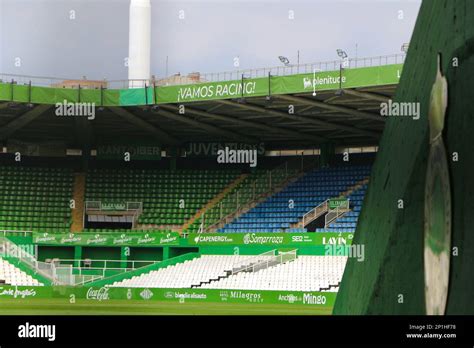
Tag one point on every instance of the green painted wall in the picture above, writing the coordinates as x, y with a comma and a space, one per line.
102, 253
147, 254
127, 275
49, 252
174, 251
393, 237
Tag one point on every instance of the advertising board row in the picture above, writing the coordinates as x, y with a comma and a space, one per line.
105, 294
107, 239
248, 87
193, 239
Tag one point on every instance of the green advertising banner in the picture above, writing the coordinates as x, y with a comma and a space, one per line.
317, 81
272, 239
254, 87
104, 294
338, 202
106, 239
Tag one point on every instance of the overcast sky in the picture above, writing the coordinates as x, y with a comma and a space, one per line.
39, 37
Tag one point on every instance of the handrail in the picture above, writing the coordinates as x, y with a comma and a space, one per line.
337, 213
46, 270
245, 195
79, 261
219, 76
129, 206
272, 260
313, 213
249, 261
6, 232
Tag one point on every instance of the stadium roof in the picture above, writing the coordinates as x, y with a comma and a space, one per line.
293, 111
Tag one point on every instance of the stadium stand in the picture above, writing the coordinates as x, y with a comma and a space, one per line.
11, 275
185, 274
160, 191
34, 198
258, 184
306, 273
276, 213
348, 222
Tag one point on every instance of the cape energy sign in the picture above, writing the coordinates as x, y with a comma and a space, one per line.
107, 239
272, 239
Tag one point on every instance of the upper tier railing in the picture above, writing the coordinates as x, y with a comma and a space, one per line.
332, 65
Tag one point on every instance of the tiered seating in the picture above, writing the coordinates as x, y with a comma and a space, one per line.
306, 273
160, 191
253, 185
33, 198
186, 274
12, 275
287, 207
348, 222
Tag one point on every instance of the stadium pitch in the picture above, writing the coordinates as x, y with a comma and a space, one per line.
119, 307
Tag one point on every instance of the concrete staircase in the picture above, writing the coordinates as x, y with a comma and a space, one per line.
255, 202
78, 196
214, 201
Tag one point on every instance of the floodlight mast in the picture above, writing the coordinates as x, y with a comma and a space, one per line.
139, 43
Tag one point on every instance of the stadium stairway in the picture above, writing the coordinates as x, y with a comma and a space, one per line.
346, 194
78, 196
349, 220
275, 214
214, 201
254, 203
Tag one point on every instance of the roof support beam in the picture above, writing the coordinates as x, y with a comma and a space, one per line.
22, 120
306, 119
250, 124
366, 95
341, 109
207, 127
162, 136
